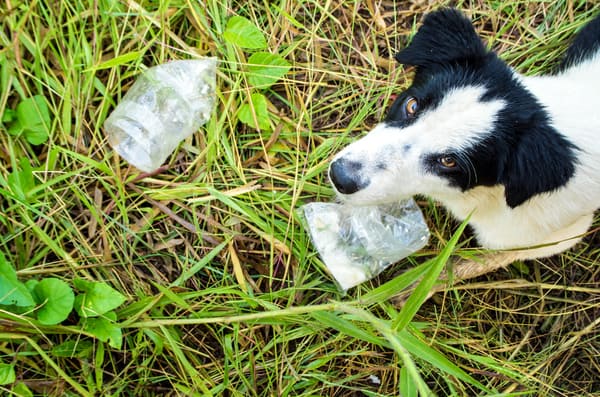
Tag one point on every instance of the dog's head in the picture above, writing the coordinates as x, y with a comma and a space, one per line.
466, 121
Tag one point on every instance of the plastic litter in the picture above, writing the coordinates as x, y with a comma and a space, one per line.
165, 105
356, 243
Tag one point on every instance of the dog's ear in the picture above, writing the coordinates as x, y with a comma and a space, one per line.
445, 36
542, 161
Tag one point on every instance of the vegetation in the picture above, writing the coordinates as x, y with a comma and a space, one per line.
199, 278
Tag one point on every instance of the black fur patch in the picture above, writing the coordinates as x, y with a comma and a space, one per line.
585, 45
446, 36
523, 152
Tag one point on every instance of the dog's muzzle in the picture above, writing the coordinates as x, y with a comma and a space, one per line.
345, 176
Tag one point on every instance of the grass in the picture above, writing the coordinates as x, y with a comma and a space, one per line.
225, 294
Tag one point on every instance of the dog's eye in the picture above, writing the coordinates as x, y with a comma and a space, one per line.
411, 106
447, 161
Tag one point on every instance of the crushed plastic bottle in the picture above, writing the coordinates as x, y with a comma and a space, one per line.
358, 243
165, 105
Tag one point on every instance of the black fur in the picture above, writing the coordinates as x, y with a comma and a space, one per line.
523, 152
585, 45
446, 36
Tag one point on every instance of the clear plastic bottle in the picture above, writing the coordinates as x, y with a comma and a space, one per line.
165, 105
356, 243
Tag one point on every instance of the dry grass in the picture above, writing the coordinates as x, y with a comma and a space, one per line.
225, 294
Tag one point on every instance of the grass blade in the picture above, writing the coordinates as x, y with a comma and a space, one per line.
186, 274
421, 292
396, 285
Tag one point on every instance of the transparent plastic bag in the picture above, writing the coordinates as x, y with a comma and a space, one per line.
165, 105
358, 243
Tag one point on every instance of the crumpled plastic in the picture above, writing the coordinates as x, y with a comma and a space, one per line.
165, 105
356, 243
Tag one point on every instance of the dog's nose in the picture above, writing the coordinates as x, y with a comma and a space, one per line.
344, 176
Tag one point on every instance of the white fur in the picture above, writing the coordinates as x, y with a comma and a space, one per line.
460, 119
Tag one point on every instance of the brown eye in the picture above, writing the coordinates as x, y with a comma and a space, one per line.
411, 105
447, 161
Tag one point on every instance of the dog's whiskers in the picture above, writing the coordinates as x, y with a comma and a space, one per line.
470, 168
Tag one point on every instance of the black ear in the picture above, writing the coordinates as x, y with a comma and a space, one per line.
445, 36
541, 162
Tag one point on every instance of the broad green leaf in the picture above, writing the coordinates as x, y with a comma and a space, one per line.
265, 69
36, 136
105, 329
15, 128
21, 181
243, 33
9, 116
7, 374
31, 283
22, 390
56, 298
255, 112
33, 112
12, 291
97, 298
32, 120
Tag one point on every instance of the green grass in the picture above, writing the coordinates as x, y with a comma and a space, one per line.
224, 292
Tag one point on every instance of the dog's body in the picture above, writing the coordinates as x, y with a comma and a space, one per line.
519, 155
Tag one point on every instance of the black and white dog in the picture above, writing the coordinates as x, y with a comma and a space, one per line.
520, 155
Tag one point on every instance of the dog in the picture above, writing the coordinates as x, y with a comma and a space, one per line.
518, 156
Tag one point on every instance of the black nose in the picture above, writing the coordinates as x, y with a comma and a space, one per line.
345, 177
